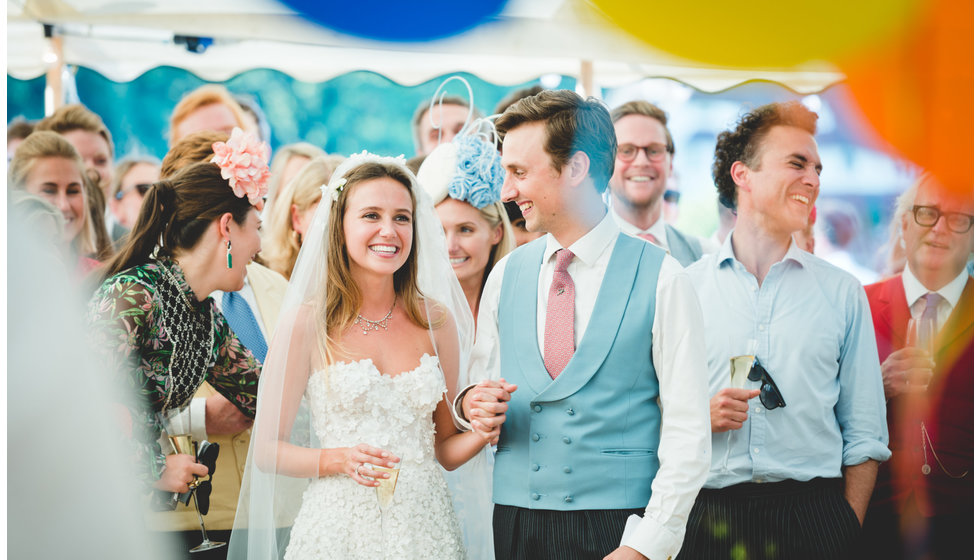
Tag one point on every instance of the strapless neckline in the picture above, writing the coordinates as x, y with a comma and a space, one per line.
424, 361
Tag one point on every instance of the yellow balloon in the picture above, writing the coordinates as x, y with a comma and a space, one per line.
759, 33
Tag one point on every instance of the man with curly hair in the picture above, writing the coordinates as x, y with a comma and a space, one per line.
798, 412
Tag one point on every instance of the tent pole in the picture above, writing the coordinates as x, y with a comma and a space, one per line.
54, 92
586, 78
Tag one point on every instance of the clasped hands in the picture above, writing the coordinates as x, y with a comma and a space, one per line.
485, 406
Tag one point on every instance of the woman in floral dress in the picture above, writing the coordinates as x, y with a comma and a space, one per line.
154, 324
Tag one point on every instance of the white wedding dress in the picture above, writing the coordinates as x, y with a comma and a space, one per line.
354, 403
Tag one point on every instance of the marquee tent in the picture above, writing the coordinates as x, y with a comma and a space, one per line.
122, 39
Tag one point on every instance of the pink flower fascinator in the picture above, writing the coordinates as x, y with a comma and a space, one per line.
243, 162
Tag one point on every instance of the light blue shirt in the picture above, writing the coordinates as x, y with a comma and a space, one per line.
810, 326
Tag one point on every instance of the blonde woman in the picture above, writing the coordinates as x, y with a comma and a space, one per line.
291, 213
464, 178
47, 165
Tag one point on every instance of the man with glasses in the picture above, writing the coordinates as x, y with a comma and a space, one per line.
798, 412
644, 163
923, 500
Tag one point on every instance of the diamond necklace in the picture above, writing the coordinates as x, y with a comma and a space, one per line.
368, 325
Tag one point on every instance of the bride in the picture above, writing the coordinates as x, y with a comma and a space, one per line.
375, 333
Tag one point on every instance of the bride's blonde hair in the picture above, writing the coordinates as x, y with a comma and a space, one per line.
340, 300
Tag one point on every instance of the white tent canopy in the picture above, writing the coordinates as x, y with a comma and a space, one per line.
531, 38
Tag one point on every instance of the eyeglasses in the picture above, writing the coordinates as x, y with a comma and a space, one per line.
769, 394
142, 188
654, 152
928, 216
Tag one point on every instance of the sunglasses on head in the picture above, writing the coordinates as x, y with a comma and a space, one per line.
769, 393
142, 188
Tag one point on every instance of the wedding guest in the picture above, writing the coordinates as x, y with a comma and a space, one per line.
154, 325
90, 137
253, 314
52, 514
287, 162
290, 215
794, 454
209, 107
47, 165
644, 164
441, 124
132, 179
923, 505
463, 178
608, 416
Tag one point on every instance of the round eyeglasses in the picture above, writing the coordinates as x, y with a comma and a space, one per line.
654, 152
928, 216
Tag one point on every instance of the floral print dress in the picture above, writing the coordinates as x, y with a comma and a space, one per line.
148, 327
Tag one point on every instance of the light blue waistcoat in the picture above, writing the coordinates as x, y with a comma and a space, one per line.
588, 439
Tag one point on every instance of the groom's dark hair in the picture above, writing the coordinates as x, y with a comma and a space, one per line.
572, 124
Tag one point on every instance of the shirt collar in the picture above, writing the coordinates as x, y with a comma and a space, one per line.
727, 252
590, 246
951, 292
658, 229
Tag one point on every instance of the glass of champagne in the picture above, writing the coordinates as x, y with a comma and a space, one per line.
738, 369
181, 441
921, 334
385, 492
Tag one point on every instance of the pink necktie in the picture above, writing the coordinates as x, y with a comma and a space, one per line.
649, 237
559, 323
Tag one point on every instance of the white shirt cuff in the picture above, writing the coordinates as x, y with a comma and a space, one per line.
653, 540
198, 412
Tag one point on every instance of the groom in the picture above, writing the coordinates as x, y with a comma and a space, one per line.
600, 333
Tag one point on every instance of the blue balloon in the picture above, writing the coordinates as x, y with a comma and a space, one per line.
399, 20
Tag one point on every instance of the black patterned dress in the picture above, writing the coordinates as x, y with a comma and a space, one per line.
148, 328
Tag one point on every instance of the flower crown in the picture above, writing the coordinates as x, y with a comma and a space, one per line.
243, 162
338, 181
479, 175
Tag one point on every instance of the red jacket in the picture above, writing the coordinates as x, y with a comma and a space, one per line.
946, 409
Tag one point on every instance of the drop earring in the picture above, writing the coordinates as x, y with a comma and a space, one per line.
229, 253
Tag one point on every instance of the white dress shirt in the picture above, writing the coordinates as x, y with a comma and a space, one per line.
914, 290
678, 357
658, 230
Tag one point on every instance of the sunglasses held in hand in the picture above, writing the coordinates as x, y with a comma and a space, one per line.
769, 393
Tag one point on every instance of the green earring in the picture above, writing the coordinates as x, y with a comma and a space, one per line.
229, 253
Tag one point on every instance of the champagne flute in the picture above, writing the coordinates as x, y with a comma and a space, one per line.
738, 370
921, 334
385, 492
185, 443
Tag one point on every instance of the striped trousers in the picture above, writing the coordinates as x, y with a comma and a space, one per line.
535, 534
771, 521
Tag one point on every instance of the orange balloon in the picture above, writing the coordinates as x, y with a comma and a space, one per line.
916, 89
